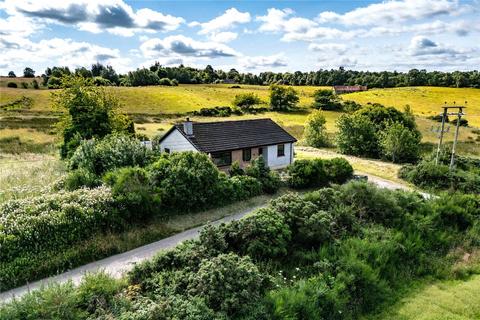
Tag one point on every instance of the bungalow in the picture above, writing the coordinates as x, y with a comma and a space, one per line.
229, 141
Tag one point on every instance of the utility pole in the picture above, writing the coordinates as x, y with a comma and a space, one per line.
442, 130
445, 114
459, 114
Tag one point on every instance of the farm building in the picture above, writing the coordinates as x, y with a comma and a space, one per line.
229, 141
348, 89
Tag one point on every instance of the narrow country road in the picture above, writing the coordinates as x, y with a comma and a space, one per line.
117, 265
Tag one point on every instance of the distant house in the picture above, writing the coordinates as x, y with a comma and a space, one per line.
348, 89
229, 141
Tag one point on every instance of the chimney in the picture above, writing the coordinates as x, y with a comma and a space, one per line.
188, 127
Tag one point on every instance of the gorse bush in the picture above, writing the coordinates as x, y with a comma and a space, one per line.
426, 174
336, 253
318, 172
315, 131
259, 170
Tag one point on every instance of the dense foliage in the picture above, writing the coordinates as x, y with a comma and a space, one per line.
283, 98
246, 100
91, 112
318, 172
188, 75
464, 177
377, 131
335, 253
326, 99
315, 132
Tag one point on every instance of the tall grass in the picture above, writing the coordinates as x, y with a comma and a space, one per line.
28, 175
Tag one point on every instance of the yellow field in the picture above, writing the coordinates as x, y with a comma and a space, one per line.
424, 101
156, 108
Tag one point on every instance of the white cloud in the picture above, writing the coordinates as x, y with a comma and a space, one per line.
223, 37
273, 61
422, 46
227, 20
337, 48
388, 12
114, 16
64, 52
180, 45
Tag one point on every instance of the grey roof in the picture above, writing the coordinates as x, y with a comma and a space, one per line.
231, 135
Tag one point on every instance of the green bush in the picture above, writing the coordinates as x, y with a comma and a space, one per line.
165, 82
96, 292
259, 170
262, 235
325, 99
400, 144
246, 100
315, 131
80, 178
186, 181
357, 136
338, 170
236, 170
228, 283
112, 152
132, 192
244, 187
318, 172
283, 98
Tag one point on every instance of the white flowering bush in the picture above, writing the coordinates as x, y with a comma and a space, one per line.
54, 221
113, 151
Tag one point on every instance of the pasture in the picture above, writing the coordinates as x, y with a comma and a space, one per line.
27, 126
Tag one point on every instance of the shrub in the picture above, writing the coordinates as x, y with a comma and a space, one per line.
307, 174
80, 178
325, 99
427, 175
246, 100
283, 98
132, 191
113, 151
24, 85
262, 235
96, 292
217, 112
338, 170
236, 170
186, 180
165, 82
35, 84
315, 131
228, 283
357, 136
244, 187
270, 180
50, 223
12, 85
399, 143
54, 82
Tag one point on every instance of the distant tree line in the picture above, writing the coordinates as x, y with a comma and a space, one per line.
171, 76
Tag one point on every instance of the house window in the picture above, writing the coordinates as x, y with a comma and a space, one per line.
280, 150
247, 154
260, 151
223, 158
167, 150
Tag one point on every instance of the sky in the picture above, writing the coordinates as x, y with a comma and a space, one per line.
251, 36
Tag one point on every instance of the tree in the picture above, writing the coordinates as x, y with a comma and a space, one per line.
283, 98
315, 131
357, 135
246, 100
28, 72
11, 74
400, 144
326, 100
91, 113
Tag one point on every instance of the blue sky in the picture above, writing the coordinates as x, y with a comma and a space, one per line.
251, 36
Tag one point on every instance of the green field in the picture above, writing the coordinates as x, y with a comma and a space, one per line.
155, 108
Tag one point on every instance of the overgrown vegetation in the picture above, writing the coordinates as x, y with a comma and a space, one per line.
377, 131
464, 177
335, 253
